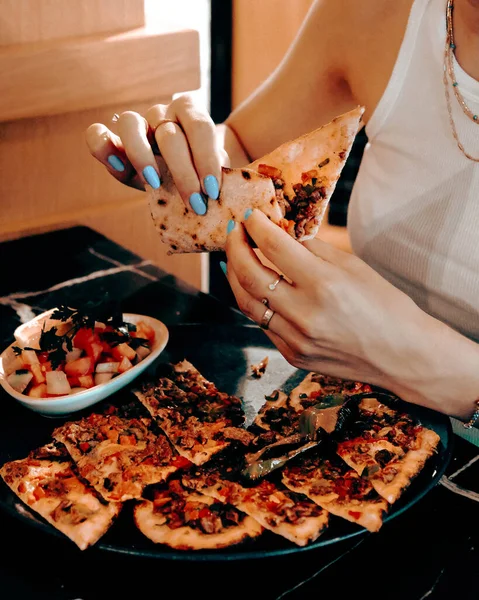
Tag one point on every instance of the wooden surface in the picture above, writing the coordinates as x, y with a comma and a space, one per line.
26, 21
262, 33
80, 74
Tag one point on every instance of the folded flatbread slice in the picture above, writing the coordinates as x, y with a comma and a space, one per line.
337, 488
46, 481
187, 520
118, 457
292, 185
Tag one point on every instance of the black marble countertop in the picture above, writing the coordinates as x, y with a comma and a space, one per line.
431, 551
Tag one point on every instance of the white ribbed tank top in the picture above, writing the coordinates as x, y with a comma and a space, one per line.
414, 210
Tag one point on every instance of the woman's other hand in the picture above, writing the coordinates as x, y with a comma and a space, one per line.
185, 136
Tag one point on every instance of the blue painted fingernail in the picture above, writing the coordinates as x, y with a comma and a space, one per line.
248, 213
151, 177
224, 267
198, 204
116, 163
211, 187
230, 226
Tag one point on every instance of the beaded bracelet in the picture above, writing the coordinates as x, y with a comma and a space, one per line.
475, 417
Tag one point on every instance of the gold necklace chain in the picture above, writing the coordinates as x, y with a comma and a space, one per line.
449, 73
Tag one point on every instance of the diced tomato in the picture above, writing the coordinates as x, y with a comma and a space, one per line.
83, 338
39, 492
84, 446
74, 382
204, 512
269, 171
124, 365
86, 381
79, 367
38, 374
355, 514
309, 175
22, 488
180, 462
46, 366
38, 391
123, 350
127, 440
42, 356
110, 410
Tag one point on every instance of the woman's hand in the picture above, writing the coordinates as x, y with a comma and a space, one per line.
185, 136
339, 317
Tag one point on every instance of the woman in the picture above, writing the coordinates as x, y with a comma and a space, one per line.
402, 313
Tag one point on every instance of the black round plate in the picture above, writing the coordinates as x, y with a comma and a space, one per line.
223, 354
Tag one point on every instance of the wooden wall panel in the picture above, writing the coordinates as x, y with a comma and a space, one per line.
26, 21
262, 32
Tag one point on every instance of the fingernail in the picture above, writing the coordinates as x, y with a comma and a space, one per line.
224, 267
248, 213
211, 187
198, 204
116, 163
151, 177
230, 226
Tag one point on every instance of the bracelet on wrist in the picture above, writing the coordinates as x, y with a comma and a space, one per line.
474, 419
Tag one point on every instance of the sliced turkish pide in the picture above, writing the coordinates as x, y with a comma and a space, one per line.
277, 415
387, 447
118, 457
337, 488
288, 514
188, 520
198, 419
47, 482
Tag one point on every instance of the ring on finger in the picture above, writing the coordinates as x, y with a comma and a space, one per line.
265, 320
273, 286
163, 121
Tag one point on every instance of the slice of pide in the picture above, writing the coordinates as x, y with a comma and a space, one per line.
277, 415
292, 185
336, 488
47, 482
388, 447
118, 457
285, 513
198, 419
188, 520
305, 172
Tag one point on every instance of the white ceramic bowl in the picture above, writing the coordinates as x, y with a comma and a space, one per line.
64, 405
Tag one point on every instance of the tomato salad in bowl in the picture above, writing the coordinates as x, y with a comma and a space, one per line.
69, 358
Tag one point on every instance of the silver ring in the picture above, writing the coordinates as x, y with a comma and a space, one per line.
268, 315
163, 121
272, 286
115, 117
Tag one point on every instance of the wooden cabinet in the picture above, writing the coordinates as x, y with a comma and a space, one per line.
65, 64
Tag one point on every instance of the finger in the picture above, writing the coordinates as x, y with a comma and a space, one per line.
107, 148
200, 131
328, 252
255, 278
255, 310
173, 147
133, 130
291, 257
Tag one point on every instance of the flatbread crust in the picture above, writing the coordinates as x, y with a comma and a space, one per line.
118, 457
51, 487
182, 230
292, 185
338, 489
188, 520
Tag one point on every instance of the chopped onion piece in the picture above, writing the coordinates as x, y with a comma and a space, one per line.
75, 390
57, 383
73, 355
107, 367
19, 380
12, 363
102, 378
143, 352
